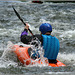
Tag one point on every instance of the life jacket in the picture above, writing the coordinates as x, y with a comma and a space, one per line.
50, 46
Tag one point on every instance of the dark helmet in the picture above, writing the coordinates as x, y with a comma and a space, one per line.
45, 27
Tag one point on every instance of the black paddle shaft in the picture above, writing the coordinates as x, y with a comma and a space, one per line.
21, 19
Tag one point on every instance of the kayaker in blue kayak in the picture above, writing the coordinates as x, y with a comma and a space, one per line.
50, 43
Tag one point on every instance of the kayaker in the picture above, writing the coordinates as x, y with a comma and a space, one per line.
50, 43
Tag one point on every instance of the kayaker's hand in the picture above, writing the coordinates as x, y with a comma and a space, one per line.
27, 26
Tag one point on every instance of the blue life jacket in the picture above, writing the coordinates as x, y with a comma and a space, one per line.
50, 46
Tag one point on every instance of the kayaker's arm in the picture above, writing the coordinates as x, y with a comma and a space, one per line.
25, 38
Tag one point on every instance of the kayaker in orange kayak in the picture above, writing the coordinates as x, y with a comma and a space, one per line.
50, 43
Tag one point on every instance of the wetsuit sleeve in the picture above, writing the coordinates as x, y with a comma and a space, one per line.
26, 39
25, 32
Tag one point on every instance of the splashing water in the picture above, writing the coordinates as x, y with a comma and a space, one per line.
37, 51
8, 57
8, 49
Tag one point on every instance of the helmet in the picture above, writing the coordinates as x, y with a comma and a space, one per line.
45, 27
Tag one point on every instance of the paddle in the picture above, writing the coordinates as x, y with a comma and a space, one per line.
21, 19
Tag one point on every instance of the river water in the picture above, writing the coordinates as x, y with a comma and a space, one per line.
62, 18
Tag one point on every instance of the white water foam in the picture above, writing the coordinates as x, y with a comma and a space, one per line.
68, 59
8, 57
68, 34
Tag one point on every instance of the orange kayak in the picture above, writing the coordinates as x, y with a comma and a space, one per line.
24, 57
